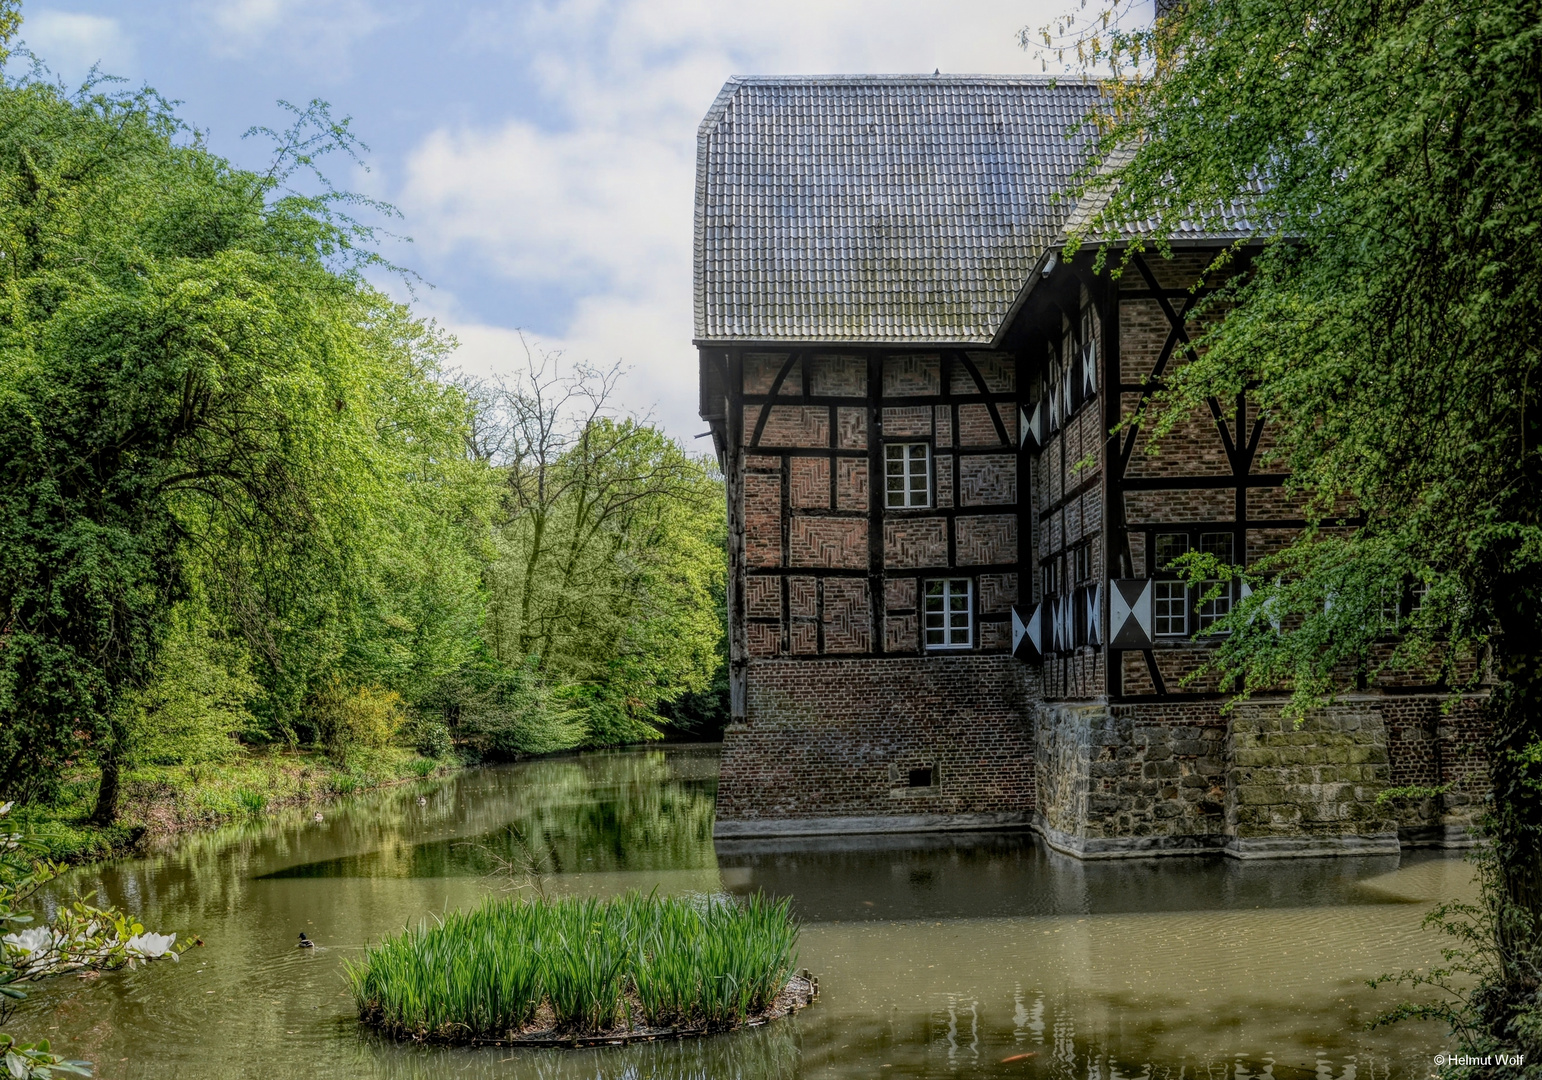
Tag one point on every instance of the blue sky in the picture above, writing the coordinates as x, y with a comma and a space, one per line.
541, 153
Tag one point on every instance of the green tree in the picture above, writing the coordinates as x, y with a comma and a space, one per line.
203, 400
610, 551
1389, 159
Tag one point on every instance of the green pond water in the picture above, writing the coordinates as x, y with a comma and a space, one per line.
983, 955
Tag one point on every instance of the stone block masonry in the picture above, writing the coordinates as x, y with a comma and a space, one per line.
1158, 779
834, 745
1131, 780
1308, 788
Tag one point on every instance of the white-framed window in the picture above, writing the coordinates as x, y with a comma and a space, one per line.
1083, 560
949, 613
1170, 608
1089, 352
1209, 612
1391, 610
907, 471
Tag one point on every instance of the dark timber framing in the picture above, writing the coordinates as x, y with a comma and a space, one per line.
747, 452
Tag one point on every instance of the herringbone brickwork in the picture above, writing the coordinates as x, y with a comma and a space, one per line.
852, 424
909, 376
763, 597
848, 616
764, 639
913, 542
900, 593
997, 593
802, 596
987, 480
809, 483
805, 637
900, 633
985, 540
837, 543
797, 426
838, 376
851, 483
762, 520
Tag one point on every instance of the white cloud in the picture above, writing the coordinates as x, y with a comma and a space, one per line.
302, 30
70, 42
596, 198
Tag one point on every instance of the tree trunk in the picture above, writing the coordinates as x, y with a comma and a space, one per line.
1515, 823
106, 812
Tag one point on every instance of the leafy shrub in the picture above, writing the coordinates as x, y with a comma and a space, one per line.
609, 719
428, 736
503, 712
362, 717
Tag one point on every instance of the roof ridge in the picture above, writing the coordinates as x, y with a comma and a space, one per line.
896, 79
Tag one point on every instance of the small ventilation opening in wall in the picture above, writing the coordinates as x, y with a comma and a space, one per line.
921, 777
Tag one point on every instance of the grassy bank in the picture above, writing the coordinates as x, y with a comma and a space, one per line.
516, 968
162, 799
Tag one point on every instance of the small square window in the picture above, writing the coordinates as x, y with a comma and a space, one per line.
907, 475
949, 614
1170, 608
1170, 546
1209, 612
1218, 544
921, 777
1391, 613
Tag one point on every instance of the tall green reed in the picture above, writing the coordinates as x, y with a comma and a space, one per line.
485, 973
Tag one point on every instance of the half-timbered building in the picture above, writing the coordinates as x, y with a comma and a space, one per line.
952, 603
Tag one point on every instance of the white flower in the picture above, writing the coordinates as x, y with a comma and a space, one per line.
38, 939
148, 945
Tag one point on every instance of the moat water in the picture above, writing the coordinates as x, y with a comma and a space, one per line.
939, 956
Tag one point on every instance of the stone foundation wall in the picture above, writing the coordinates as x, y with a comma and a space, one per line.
1144, 779
1131, 779
831, 745
1308, 788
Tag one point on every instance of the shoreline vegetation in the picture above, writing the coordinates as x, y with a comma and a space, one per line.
536, 971
165, 800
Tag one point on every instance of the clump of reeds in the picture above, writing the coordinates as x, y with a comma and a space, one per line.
580, 965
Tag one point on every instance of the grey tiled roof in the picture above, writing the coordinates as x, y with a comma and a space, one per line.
879, 208
1234, 221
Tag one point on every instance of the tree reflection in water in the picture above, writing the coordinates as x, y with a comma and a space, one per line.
939, 956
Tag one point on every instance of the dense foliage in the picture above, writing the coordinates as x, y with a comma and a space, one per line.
1384, 161
241, 502
578, 966
609, 566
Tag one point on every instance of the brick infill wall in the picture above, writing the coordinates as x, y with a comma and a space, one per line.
839, 739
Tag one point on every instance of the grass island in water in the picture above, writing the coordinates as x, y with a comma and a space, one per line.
543, 971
